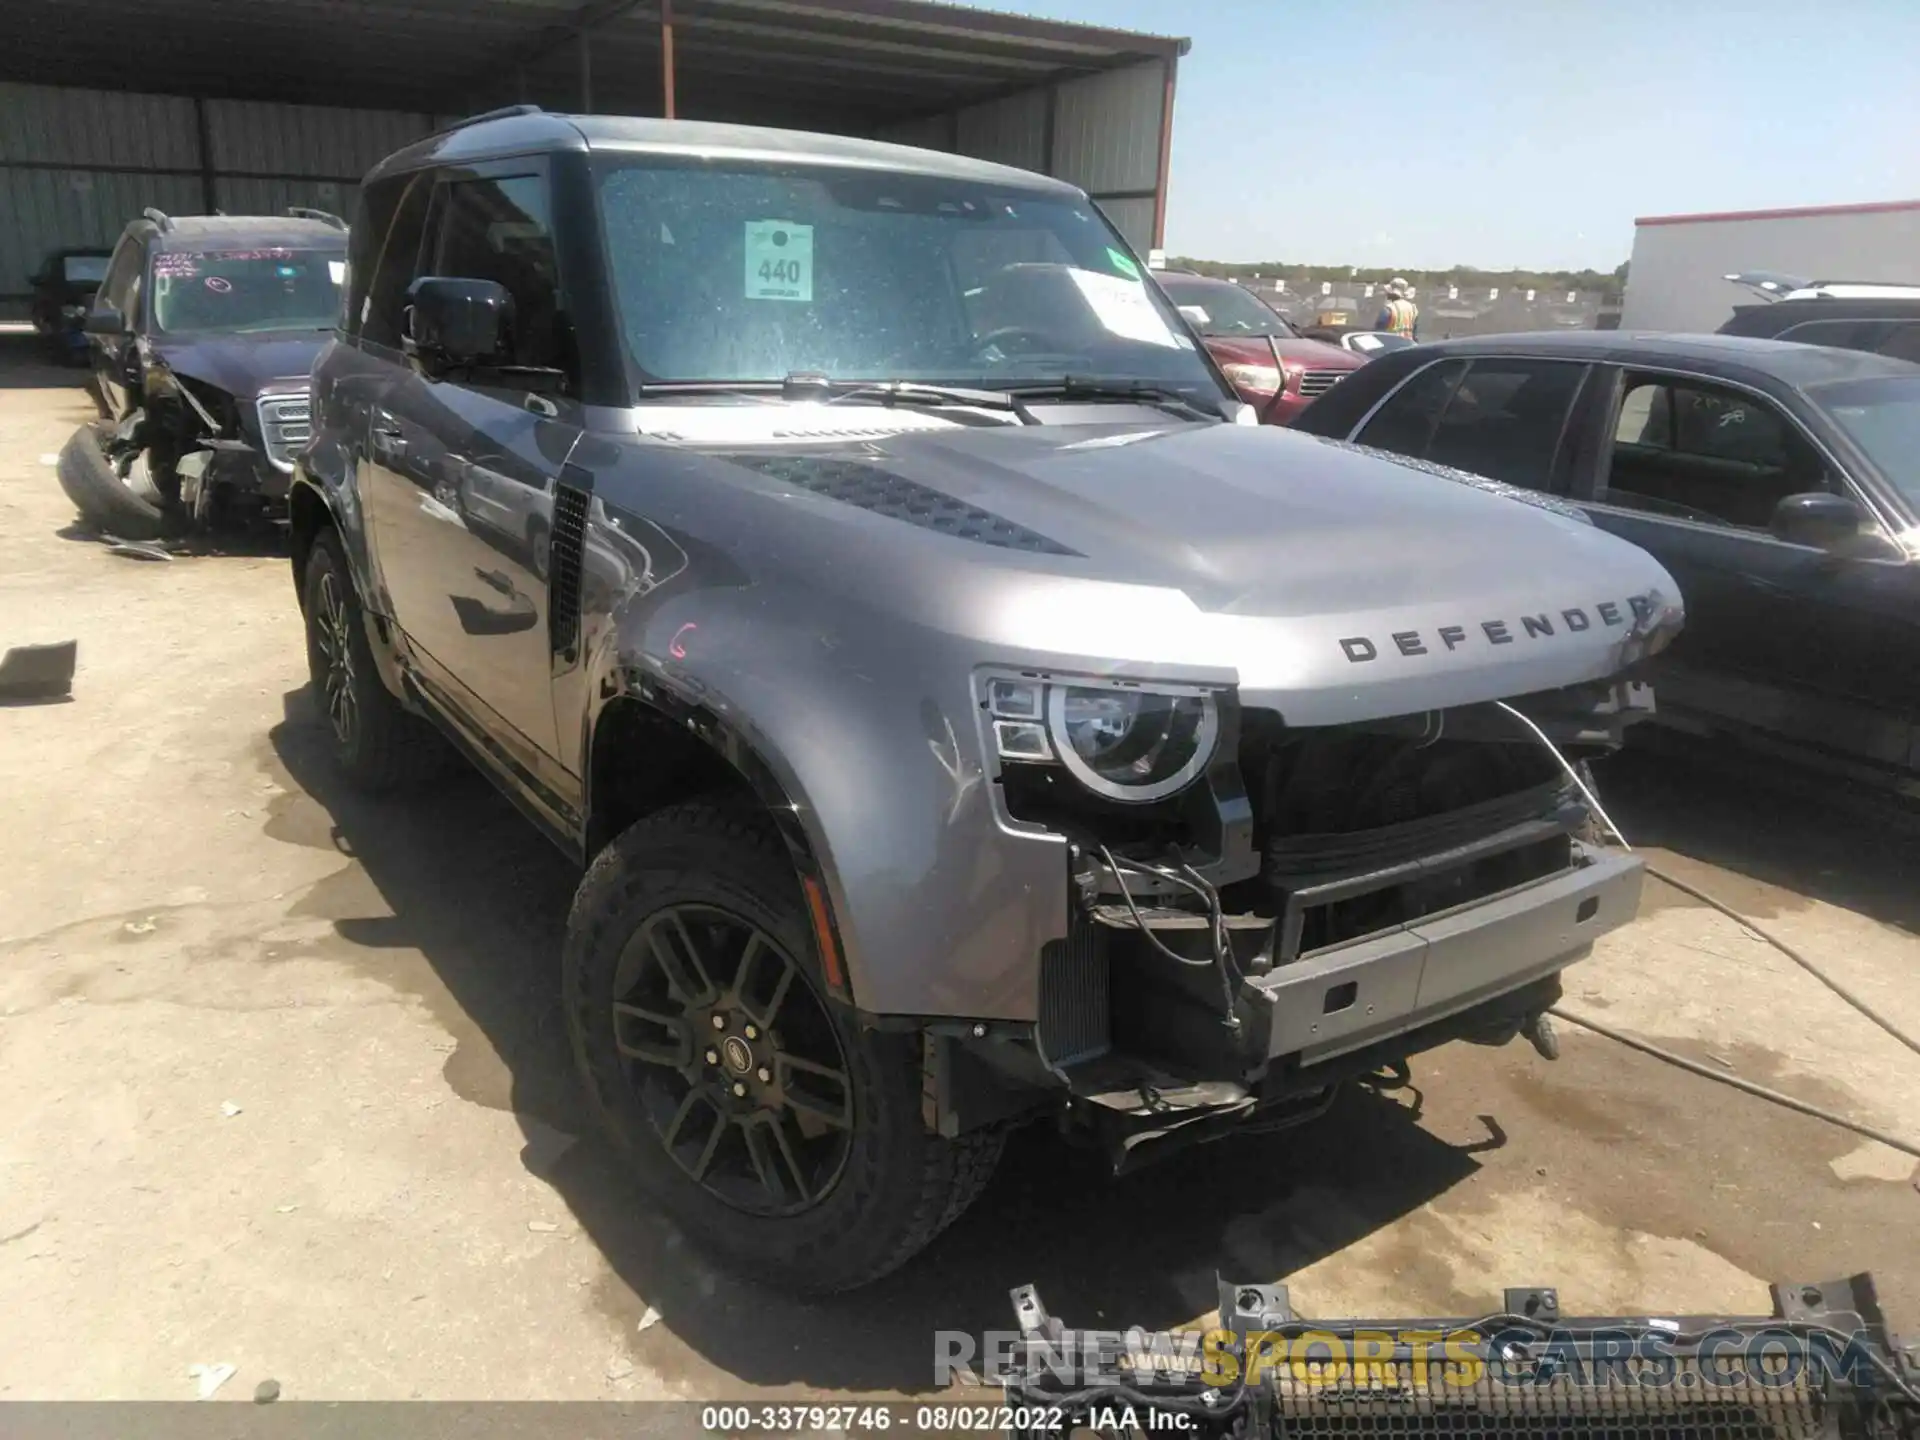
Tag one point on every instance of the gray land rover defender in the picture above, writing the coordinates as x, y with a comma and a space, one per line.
964, 717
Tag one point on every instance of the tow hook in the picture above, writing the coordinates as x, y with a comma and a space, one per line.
1539, 1033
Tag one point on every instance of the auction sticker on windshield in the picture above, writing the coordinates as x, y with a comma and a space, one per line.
779, 260
1123, 308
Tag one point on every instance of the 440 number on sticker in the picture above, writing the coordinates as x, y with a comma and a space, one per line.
779, 260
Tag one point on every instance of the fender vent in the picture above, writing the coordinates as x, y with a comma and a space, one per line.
868, 487
563, 565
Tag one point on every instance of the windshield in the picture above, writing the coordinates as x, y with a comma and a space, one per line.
84, 269
1882, 417
746, 272
241, 291
1223, 309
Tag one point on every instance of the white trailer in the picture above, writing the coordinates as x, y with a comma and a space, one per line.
1676, 280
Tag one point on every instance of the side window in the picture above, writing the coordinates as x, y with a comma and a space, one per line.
1837, 334
384, 299
1700, 451
1405, 423
501, 230
373, 217
122, 283
1902, 342
1505, 418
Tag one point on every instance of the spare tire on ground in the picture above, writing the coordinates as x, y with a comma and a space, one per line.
102, 497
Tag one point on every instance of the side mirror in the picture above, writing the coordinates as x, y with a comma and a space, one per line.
1819, 519
453, 323
104, 320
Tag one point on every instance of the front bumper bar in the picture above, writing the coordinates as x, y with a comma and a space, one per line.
1354, 995
1823, 1364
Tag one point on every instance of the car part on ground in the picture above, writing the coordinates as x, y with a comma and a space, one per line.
38, 672
960, 724
1823, 1363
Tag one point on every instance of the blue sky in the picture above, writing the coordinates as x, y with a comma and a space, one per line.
1517, 134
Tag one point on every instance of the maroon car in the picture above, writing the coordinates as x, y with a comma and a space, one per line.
1268, 363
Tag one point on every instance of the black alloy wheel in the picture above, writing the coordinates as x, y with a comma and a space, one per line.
333, 643
729, 1051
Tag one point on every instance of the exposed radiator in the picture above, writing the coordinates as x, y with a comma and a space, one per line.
1075, 1000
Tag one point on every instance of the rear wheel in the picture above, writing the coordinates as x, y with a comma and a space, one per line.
376, 743
753, 1109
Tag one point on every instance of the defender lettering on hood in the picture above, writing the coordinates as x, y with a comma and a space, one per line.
1649, 614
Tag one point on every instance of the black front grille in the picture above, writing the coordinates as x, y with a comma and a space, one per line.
1360, 832
1075, 1001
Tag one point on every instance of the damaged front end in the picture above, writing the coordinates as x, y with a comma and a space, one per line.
1822, 1364
198, 451
1321, 904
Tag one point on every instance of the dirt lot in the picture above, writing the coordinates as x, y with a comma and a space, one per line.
195, 917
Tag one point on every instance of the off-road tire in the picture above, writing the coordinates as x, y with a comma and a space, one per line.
901, 1183
388, 747
100, 495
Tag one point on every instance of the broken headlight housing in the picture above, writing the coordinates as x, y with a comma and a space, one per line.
1129, 742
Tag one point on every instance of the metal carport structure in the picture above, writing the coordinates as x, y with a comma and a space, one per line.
107, 106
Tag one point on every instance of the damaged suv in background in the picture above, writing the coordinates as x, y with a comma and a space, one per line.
964, 721
202, 337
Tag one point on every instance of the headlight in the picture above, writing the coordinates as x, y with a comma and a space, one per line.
1253, 379
1126, 742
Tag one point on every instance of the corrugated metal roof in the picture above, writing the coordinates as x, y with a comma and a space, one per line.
859, 62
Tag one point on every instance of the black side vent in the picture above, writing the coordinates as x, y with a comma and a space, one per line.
884, 493
1075, 1004
563, 567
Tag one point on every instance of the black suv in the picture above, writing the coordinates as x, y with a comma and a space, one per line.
1879, 319
203, 334
62, 289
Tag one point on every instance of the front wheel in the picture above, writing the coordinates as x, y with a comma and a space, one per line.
754, 1110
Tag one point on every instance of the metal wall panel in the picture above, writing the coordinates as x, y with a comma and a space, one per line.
929, 132
1133, 219
262, 138
43, 210
251, 196
1009, 131
46, 125
1107, 129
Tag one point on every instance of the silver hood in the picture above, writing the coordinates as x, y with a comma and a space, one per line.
1330, 582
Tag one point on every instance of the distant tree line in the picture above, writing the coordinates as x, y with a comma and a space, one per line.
1608, 284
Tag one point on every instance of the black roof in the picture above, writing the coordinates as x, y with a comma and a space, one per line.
1733, 355
197, 232
1771, 319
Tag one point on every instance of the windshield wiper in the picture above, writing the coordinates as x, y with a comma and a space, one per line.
911, 392
1080, 387
805, 385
